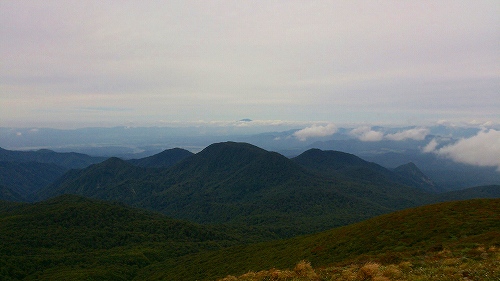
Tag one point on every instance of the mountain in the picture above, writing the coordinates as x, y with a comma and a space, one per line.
335, 163
7, 194
69, 160
26, 178
412, 176
445, 173
107, 180
489, 191
163, 159
239, 183
459, 226
74, 238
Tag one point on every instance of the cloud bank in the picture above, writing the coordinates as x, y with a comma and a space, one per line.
482, 149
366, 133
414, 134
315, 131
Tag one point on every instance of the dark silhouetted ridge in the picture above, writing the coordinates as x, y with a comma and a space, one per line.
164, 159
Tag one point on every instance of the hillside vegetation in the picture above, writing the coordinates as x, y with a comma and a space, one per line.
480, 264
459, 226
242, 184
73, 237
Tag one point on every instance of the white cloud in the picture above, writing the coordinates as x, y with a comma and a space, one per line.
367, 134
482, 149
414, 134
430, 147
316, 131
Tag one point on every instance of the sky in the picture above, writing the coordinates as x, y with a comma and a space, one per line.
72, 64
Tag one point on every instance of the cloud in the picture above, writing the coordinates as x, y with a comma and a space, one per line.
482, 149
367, 134
414, 134
315, 131
430, 147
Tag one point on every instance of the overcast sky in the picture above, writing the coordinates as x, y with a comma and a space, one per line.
106, 63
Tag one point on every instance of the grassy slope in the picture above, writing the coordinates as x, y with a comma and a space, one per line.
471, 264
388, 238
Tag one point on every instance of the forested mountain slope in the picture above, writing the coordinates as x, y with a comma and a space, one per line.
71, 237
461, 226
242, 184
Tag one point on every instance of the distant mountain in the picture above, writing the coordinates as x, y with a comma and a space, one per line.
107, 180
69, 160
163, 159
240, 183
72, 238
335, 163
489, 191
412, 176
445, 173
7, 194
26, 178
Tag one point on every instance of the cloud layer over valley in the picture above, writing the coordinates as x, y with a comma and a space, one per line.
482, 149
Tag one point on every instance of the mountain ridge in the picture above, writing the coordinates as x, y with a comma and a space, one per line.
164, 159
243, 184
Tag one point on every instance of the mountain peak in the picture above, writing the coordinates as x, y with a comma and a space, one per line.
415, 177
329, 158
232, 151
164, 159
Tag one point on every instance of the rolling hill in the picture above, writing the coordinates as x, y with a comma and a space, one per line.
387, 239
71, 237
74, 238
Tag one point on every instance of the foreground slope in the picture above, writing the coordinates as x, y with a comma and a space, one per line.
73, 237
241, 184
387, 239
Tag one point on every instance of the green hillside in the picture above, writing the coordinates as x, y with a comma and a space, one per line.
387, 239
242, 184
26, 178
7, 194
73, 237
332, 163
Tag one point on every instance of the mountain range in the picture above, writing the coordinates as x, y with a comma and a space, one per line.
230, 208
242, 184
